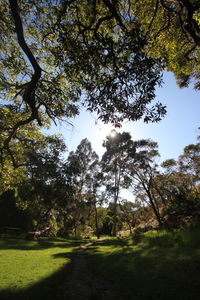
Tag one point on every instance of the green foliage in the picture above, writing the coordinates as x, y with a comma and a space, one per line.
172, 32
179, 186
81, 170
74, 195
58, 55
42, 193
108, 56
104, 221
189, 161
164, 239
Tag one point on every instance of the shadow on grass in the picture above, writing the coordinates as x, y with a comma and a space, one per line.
142, 273
51, 288
136, 271
114, 242
185, 238
43, 243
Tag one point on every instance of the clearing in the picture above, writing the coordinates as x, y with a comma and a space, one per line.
154, 265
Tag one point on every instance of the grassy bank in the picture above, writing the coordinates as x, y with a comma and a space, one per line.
34, 269
154, 265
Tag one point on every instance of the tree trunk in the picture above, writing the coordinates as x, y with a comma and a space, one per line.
116, 195
155, 210
115, 218
130, 228
75, 229
96, 222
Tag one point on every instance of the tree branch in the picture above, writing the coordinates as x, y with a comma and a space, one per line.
112, 9
153, 18
29, 88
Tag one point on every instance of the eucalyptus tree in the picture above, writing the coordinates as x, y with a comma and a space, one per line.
189, 161
184, 173
142, 170
179, 185
98, 219
120, 149
37, 185
97, 196
80, 170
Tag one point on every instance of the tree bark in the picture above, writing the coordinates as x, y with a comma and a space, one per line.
96, 222
116, 195
155, 210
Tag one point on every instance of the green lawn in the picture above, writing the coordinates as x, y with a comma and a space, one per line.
34, 269
155, 265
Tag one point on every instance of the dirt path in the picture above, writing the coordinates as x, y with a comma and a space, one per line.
83, 285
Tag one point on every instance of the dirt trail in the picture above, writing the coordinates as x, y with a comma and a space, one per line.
83, 285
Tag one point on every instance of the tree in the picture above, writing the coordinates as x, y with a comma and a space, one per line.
179, 186
97, 197
172, 31
13, 161
189, 161
40, 194
107, 55
127, 213
10, 214
80, 171
142, 170
119, 150
45, 194
56, 54
98, 219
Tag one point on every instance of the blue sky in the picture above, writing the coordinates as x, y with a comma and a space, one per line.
178, 129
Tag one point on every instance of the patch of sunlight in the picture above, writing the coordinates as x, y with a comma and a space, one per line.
19, 268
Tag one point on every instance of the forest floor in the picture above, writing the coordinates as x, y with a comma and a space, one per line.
83, 284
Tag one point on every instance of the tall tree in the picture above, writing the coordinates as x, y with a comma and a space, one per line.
80, 170
119, 150
143, 171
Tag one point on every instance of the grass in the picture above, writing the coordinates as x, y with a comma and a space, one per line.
154, 265
34, 269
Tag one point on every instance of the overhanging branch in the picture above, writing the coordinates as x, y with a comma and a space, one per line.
30, 87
